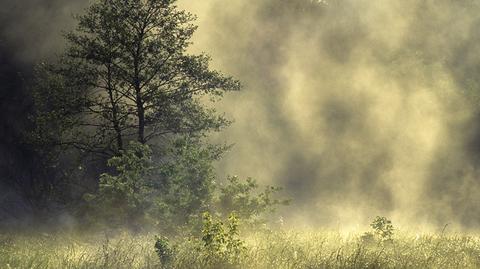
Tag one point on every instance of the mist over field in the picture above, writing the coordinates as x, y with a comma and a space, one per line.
357, 108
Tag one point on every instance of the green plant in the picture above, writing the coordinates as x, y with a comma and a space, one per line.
244, 198
123, 197
383, 228
185, 181
169, 192
221, 243
164, 250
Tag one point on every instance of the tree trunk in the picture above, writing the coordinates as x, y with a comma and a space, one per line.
115, 120
138, 89
141, 119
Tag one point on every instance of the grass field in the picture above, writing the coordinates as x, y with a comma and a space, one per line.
280, 249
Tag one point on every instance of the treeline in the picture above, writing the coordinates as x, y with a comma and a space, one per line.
118, 126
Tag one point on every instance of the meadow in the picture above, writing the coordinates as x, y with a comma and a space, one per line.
267, 249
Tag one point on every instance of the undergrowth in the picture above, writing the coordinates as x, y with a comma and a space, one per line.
266, 249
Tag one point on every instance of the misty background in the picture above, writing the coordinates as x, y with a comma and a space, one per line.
357, 108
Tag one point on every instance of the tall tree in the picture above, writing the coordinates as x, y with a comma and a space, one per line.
127, 75
124, 76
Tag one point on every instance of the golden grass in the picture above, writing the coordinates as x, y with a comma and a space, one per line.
276, 250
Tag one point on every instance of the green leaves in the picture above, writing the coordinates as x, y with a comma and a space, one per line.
123, 197
167, 193
382, 227
221, 243
185, 181
127, 74
247, 201
164, 250
144, 44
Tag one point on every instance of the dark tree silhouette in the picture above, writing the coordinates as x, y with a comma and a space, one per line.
126, 73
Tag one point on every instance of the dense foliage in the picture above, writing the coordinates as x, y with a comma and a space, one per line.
243, 198
122, 116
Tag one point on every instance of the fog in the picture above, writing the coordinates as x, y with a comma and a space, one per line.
357, 108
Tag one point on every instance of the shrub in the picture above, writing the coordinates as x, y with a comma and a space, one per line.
247, 201
164, 250
166, 192
221, 244
185, 183
123, 196
383, 228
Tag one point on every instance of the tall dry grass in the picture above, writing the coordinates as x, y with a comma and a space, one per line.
274, 249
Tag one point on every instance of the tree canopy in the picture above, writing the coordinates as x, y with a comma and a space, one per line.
126, 74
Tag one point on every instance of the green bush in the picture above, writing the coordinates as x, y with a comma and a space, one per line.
245, 199
383, 228
221, 244
164, 251
123, 197
185, 182
167, 192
